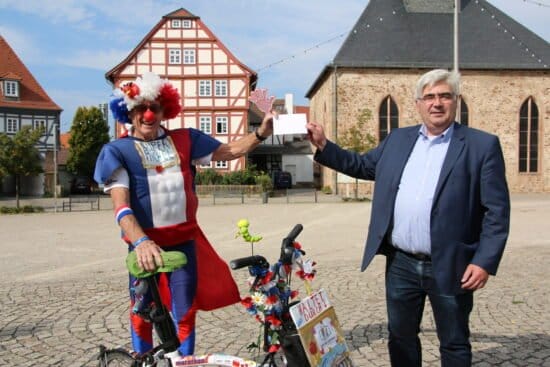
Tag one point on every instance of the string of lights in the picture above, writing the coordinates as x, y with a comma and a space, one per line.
537, 3
305, 51
522, 45
365, 27
302, 52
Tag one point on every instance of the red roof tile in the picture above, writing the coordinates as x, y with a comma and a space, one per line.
64, 140
10, 75
31, 94
302, 109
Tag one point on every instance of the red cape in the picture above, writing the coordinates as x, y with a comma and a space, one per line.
216, 287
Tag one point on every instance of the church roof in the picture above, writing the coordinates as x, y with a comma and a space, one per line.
419, 34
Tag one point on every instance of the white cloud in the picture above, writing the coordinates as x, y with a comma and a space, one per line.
72, 11
94, 59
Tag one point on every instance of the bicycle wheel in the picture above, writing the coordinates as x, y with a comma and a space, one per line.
116, 358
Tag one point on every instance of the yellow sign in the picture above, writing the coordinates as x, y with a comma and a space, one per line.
320, 332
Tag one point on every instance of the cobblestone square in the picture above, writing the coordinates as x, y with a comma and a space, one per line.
64, 285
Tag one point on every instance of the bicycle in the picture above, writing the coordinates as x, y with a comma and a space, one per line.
279, 330
166, 352
306, 330
274, 281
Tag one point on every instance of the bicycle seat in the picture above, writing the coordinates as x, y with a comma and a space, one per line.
172, 260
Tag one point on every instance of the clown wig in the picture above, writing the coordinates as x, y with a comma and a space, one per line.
149, 87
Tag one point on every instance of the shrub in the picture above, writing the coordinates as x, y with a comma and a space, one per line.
208, 177
265, 182
326, 190
25, 209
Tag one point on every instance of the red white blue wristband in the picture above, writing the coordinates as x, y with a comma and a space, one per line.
122, 211
140, 240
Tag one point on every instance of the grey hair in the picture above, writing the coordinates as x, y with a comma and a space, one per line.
452, 78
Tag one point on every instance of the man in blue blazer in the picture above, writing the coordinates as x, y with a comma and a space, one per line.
440, 213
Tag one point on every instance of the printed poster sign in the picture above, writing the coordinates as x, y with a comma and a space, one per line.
320, 332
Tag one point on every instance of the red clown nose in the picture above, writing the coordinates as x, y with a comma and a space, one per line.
149, 116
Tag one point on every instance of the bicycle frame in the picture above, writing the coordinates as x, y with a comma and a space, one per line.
165, 329
167, 349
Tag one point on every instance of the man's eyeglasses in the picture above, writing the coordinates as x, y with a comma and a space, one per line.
154, 107
443, 97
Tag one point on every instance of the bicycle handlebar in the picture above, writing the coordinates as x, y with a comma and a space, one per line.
289, 239
287, 248
287, 251
255, 260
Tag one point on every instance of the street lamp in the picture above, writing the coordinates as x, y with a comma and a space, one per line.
455, 36
55, 167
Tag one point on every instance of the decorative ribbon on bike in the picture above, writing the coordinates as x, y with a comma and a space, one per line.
270, 293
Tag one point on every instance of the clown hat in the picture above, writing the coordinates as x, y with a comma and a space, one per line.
147, 88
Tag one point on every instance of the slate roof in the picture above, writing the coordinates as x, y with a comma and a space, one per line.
419, 34
31, 94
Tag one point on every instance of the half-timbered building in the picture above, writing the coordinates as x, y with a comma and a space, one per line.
213, 83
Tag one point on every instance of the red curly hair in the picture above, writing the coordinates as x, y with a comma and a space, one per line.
170, 100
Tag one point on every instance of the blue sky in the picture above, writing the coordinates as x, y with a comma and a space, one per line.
68, 45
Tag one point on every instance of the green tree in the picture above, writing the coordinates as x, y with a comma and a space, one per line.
19, 156
89, 132
357, 139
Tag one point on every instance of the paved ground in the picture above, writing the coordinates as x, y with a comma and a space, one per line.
64, 291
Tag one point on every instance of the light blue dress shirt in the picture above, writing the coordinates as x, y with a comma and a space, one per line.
413, 205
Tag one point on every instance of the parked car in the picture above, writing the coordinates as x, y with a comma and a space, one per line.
81, 185
282, 180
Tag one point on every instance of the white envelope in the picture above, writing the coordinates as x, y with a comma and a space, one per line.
290, 124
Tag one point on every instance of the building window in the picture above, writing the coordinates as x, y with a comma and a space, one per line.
389, 117
174, 56
38, 124
528, 136
186, 23
221, 125
221, 164
11, 88
188, 56
11, 125
205, 88
462, 111
220, 88
176, 23
205, 124
209, 165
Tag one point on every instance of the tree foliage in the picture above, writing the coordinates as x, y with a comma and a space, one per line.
19, 156
89, 132
357, 138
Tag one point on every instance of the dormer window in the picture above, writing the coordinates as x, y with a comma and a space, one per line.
176, 23
186, 23
11, 88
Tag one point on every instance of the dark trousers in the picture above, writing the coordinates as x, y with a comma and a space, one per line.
408, 282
